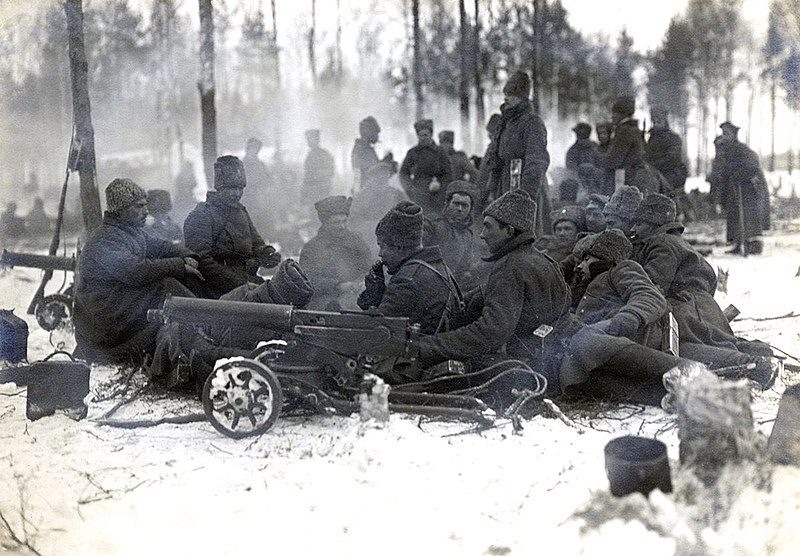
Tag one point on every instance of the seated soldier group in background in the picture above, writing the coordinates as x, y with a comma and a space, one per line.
467, 258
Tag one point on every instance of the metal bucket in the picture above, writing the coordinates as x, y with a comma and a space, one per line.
637, 464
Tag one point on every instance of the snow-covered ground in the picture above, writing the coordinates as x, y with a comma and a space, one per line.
335, 485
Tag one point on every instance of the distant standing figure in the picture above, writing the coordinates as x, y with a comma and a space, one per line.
664, 151
259, 194
739, 185
11, 225
363, 156
319, 170
519, 157
462, 166
336, 259
426, 170
583, 149
159, 205
185, 184
37, 222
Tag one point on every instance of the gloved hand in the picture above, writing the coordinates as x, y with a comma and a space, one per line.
269, 257
623, 324
375, 286
251, 266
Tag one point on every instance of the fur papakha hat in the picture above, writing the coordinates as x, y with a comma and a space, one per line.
290, 285
419, 125
571, 213
625, 105
159, 201
462, 187
122, 193
624, 201
656, 209
229, 172
518, 85
335, 204
514, 208
447, 136
610, 245
401, 227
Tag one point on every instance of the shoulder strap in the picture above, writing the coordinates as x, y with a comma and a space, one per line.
452, 285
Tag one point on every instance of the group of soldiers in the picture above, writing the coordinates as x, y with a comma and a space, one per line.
471, 253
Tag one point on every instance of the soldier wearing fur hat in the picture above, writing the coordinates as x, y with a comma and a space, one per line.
739, 186
619, 297
453, 231
318, 170
664, 151
124, 273
159, 205
521, 136
583, 150
568, 222
627, 151
688, 282
426, 170
462, 166
221, 232
336, 259
421, 286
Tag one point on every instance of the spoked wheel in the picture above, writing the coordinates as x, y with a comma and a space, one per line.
242, 398
53, 310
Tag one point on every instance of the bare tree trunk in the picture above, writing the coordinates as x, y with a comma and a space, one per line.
750, 102
312, 58
338, 38
208, 113
536, 70
417, 70
480, 108
772, 87
275, 46
464, 74
82, 113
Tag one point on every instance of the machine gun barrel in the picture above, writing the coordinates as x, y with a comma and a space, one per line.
45, 262
233, 314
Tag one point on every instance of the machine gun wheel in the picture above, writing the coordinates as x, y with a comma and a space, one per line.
53, 310
242, 398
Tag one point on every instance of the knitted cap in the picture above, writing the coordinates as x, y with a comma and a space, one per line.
462, 187
419, 125
518, 85
368, 125
582, 130
447, 136
571, 213
229, 172
625, 105
159, 201
514, 208
656, 209
624, 201
610, 245
290, 285
401, 227
122, 193
335, 204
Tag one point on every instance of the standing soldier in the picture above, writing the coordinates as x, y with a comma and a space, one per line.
318, 170
519, 157
739, 185
664, 151
336, 259
260, 195
583, 150
462, 166
363, 156
426, 170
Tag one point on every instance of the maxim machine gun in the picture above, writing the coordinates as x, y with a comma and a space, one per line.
324, 362
51, 310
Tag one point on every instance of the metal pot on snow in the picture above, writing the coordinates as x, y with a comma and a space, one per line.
637, 464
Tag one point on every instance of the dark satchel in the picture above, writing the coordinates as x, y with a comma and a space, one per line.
57, 385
